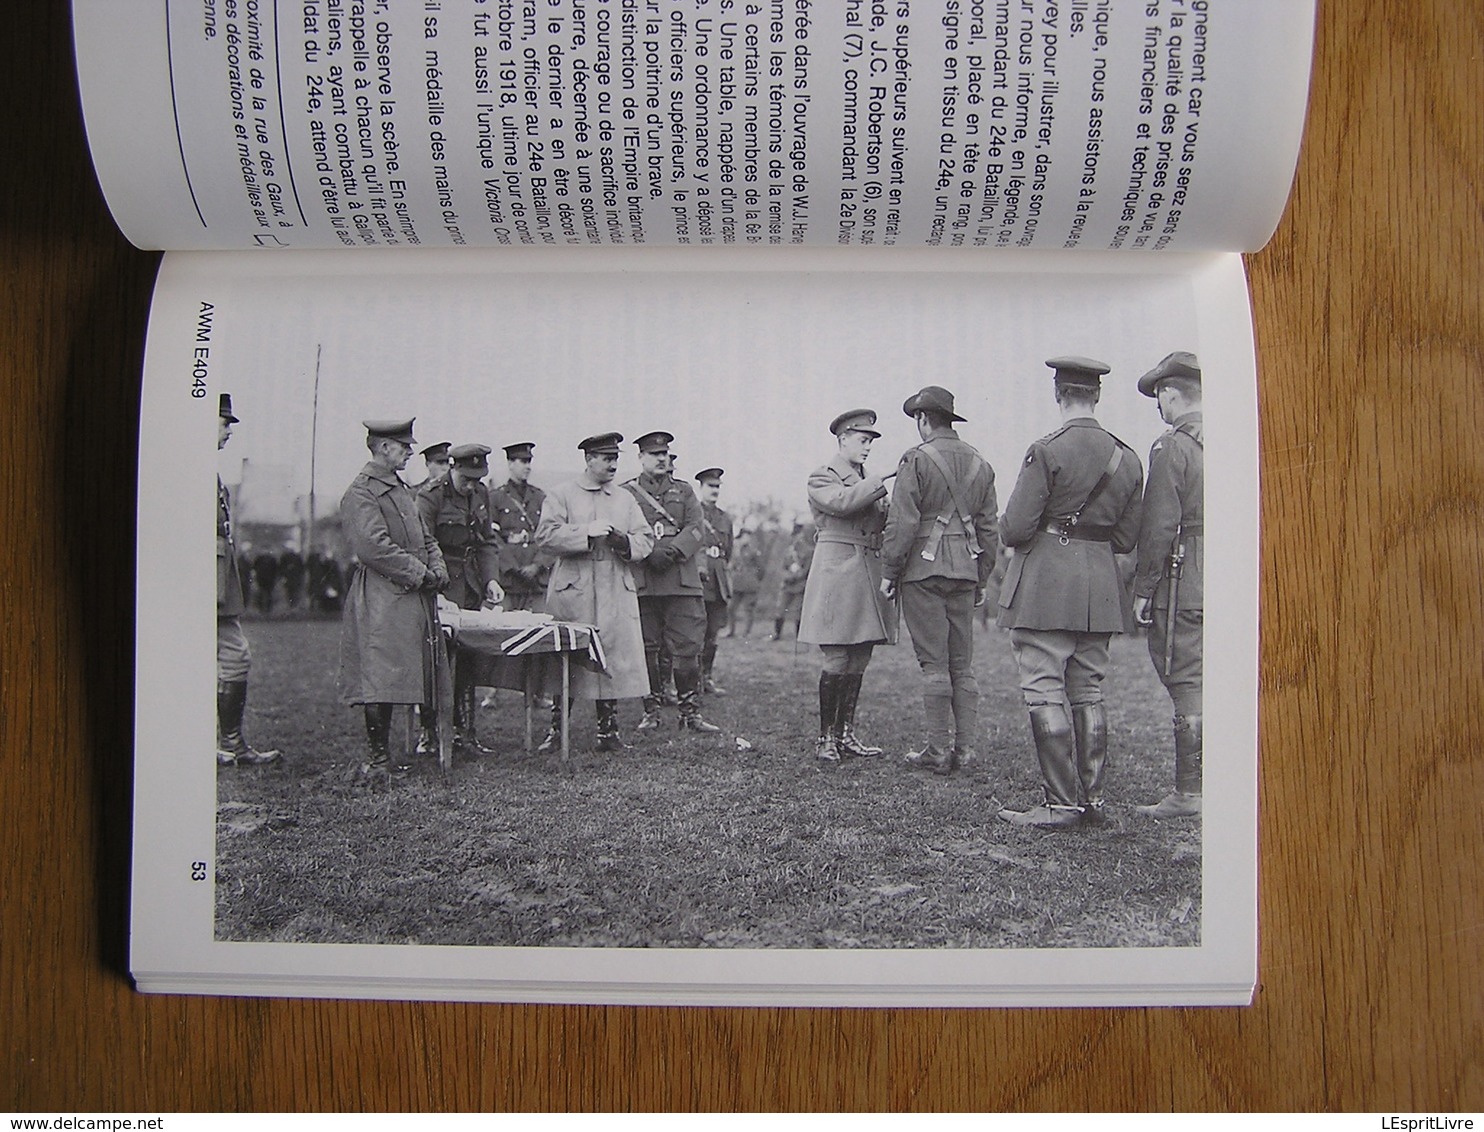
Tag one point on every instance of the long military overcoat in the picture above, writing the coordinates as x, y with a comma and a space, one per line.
592, 584
386, 633
842, 598
1069, 583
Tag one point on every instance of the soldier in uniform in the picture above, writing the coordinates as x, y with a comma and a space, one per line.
436, 457
233, 657
938, 552
457, 510
265, 579
671, 606
844, 612
389, 631
716, 580
1169, 582
746, 575
595, 532
798, 556
1075, 504
516, 505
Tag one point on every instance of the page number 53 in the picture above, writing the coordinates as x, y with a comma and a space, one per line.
198, 870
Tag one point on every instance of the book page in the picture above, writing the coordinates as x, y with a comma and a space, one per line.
731, 866
1004, 124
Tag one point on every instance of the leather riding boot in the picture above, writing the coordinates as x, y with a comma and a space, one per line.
1090, 724
608, 737
1060, 786
465, 740
663, 682
845, 736
378, 739
651, 718
688, 685
231, 747
708, 662
826, 747
1185, 802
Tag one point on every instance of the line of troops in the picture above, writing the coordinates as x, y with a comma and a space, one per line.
644, 561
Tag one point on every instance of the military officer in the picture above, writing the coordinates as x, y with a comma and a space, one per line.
672, 608
389, 630
595, 532
937, 554
233, 658
1169, 582
716, 579
844, 612
457, 510
516, 504
1075, 504
436, 457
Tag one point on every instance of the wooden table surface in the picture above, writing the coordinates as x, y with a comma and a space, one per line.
1372, 782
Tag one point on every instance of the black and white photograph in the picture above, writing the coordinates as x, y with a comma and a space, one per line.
808, 612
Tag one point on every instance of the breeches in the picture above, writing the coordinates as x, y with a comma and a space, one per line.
1060, 666
676, 625
940, 616
1184, 681
233, 658
846, 660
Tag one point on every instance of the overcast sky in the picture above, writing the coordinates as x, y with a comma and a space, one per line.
746, 369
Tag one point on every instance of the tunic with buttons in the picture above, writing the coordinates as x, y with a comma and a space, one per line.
676, 522
842, 598
517, 514
716, 554
466, 535
1057, 581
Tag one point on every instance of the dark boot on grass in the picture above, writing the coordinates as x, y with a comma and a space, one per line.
466, 742
1060, 786
688, 681
826, 747
1090, 727
1185, 802
608, 736
380, 768
231, 748
845, 736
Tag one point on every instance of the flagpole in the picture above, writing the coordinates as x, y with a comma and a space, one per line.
313, 450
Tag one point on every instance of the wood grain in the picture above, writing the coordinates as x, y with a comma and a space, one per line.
1368, 313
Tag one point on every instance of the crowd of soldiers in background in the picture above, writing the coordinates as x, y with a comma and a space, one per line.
287, 581
770, 563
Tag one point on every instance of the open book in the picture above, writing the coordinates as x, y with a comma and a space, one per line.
733, 223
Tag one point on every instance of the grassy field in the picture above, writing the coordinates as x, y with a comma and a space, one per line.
736, 840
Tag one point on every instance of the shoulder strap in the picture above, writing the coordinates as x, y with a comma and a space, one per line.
955, 489
659, 515
1097, 488
1190, 429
